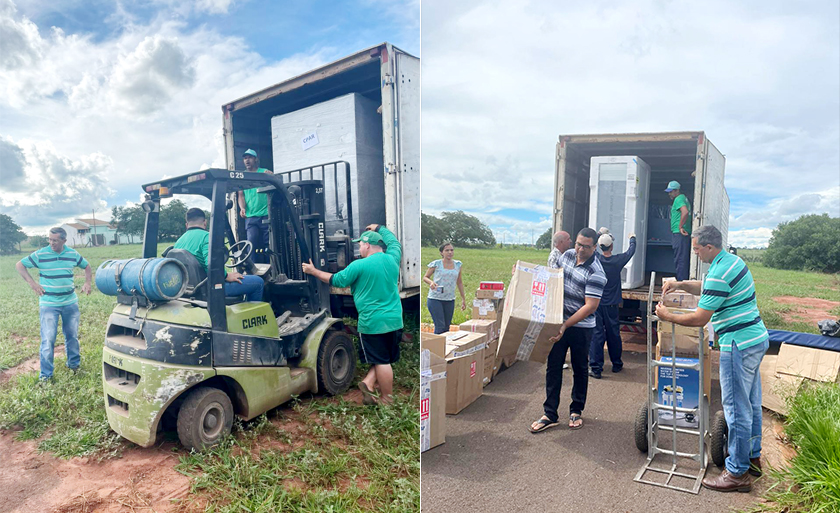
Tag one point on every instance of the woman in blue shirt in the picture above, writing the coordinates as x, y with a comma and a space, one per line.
443, 276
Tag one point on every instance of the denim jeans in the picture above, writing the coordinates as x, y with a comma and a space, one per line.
577, 341
740, 390
441, 312
606, 328
251, 286
49, 328
681, 244
257, 234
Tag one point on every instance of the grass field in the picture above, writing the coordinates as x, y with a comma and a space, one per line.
495, 265
348, 458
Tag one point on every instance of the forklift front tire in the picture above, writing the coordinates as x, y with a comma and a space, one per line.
205, 418
336, 364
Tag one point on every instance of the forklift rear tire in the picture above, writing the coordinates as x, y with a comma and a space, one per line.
719, 444
641, 428
336, 365
205, 418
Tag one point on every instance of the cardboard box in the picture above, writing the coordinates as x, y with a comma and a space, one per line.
808, 362
680, 299
432, 400
489, 294
686, 338
464, 369
435, 343
491, 285
707, 369
487, 308
775, 388
488, 326
533, 312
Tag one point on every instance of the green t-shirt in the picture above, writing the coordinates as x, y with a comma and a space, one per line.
55, 274
729, 291
374, 282
196, 240
256, 204
680, 201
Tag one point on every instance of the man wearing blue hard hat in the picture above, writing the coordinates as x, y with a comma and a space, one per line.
374, 282
680, 229
254, 207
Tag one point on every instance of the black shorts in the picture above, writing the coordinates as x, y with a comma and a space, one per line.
380, 349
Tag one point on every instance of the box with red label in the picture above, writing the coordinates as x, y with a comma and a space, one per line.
533, 313
432, 400
491, 285
464, 369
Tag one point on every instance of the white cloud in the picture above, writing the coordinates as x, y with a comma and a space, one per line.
20, 43
501, 80
754, 238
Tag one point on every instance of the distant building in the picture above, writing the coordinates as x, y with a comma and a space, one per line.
93, 232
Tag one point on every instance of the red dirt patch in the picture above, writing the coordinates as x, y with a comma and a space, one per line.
142, 480
807, 309
31, 365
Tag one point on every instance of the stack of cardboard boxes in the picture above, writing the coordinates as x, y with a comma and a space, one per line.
683, 344
486, 318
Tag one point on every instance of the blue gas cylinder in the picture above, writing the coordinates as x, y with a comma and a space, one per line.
158, 279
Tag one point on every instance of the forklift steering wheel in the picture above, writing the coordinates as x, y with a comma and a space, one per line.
239, 252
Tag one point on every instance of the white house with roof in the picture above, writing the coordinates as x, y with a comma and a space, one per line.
93, 232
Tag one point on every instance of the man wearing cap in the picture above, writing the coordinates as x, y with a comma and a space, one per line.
728, 300
57, 297
680, 229
196, 240
606, 316
373, 280
254, 207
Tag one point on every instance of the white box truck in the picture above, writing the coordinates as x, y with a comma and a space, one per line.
687, 157
383, 83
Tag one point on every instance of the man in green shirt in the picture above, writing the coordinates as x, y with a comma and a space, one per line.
57, 297
254, 207
196, 240
680, 229
374, 282
728, 300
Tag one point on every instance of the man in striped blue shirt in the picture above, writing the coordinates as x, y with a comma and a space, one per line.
728, 300
583, 285
57, 297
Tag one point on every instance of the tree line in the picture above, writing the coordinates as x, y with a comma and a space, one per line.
459, 228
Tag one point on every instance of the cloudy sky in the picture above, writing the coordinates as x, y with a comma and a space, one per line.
98, 97
502, 80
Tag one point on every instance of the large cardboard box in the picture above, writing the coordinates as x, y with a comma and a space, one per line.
488, 326
435, 343
533, 312
808, 362
775, 387
432, 400
464, 369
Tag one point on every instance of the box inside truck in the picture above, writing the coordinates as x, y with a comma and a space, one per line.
668, 160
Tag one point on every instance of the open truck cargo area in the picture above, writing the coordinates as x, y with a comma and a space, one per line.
354, 124
687, 157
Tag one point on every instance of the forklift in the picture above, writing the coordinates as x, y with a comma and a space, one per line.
190, 364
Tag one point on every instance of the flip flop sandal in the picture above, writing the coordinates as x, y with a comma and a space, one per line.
574, 417
367, 395
543, 425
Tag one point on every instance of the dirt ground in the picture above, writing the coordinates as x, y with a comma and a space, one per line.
807, 309
141, 480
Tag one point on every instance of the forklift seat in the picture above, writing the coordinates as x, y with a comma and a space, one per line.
196, 275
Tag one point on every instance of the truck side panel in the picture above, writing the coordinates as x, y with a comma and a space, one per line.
714, 204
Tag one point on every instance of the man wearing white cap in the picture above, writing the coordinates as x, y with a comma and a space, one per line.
254, 207
680, 229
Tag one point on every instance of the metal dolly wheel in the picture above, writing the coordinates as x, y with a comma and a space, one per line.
648, 424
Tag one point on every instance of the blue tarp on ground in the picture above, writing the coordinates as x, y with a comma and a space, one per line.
805, 339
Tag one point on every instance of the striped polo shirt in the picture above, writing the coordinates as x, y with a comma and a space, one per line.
55, 271
579, 282
729, 291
